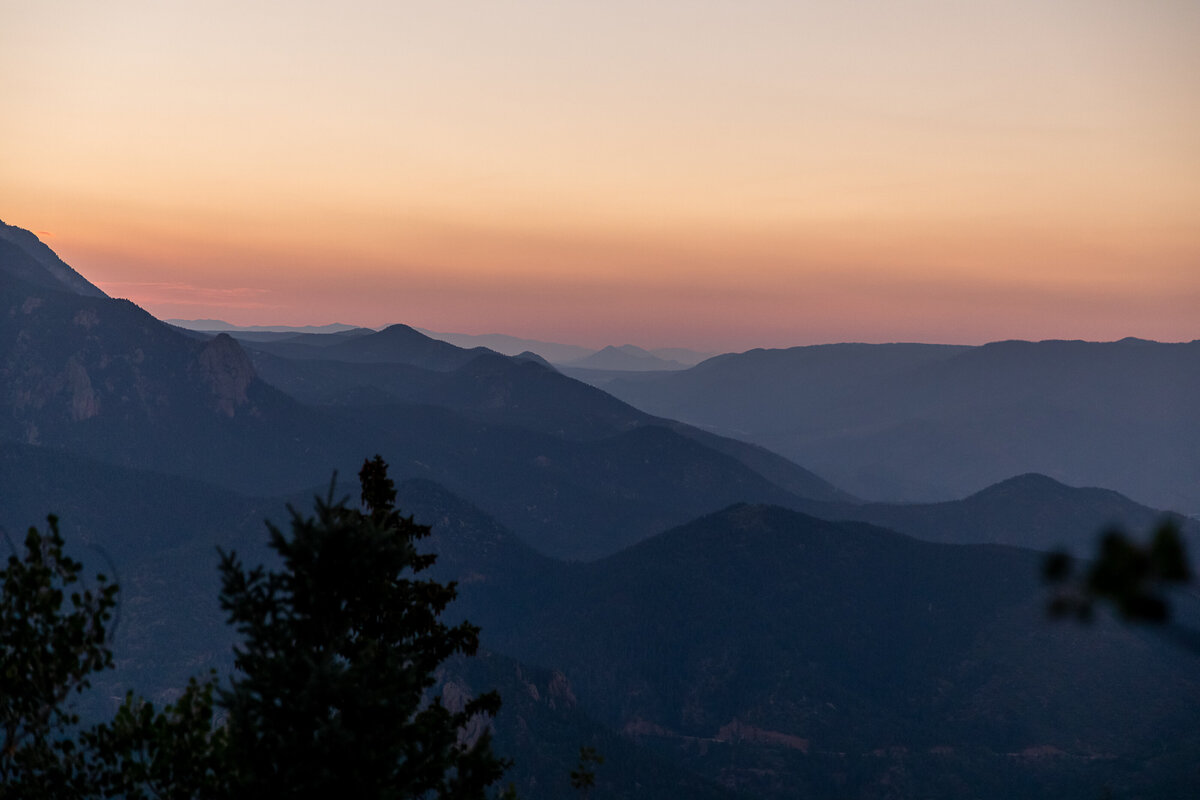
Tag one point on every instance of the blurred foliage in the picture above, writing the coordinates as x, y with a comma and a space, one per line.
1132, 577
583, 777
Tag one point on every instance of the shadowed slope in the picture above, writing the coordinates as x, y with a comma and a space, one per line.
779, 652
23, 256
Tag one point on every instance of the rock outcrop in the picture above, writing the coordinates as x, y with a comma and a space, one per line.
227, 371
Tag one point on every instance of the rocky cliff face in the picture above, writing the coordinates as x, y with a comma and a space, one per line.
226, 369
69, 362
83, 401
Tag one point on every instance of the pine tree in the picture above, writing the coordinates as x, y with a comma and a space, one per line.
333, 697
336, 672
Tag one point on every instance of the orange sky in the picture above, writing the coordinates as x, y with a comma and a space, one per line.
711, 174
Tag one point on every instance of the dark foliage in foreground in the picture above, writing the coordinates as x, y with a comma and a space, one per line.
53, 637
1131, 576
340, 652
333, 694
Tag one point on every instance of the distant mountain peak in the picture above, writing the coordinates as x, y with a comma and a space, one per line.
399, 329
400, 333
529, 355
1026, 480
628, 357
213, 325
1035, 484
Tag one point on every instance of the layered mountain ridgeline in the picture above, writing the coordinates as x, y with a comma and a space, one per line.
396, 344
927, 422
763, 649
158, 536
755, 648
547, 454
626, 358
220, 326
103, 379
509, 391
571, 355
553, 352
788, 656
577, 472
1031, 511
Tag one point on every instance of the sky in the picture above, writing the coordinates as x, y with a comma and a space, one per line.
710, 174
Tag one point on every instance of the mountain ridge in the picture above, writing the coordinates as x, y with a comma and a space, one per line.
933, 422
105, 379
750, 646
43, 266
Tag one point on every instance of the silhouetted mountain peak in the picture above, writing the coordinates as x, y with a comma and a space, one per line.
24, 256
1034, 486
1030, 482
402, 331
395, 344
529, 355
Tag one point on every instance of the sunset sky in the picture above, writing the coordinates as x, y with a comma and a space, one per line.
720, 175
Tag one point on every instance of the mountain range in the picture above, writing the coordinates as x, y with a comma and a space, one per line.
915, 422
611, 358
718, 620
218, 326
